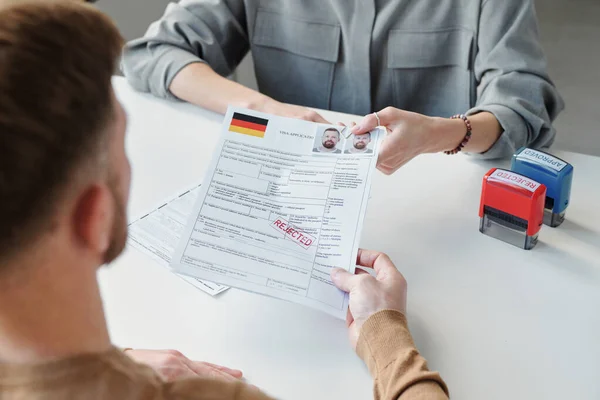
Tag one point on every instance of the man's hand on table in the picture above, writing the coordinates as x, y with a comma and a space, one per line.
172, 365
368, 294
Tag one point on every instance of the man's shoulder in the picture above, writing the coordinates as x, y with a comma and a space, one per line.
117, 376
204, 388
87, 376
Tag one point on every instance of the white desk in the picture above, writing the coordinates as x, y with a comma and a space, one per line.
497, 322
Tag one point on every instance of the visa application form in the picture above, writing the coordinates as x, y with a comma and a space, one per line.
282, 203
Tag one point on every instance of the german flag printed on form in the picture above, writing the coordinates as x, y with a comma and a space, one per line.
248, 125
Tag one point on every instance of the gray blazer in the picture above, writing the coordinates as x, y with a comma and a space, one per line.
435, 57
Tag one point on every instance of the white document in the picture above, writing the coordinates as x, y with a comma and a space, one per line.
157, 233
281, 205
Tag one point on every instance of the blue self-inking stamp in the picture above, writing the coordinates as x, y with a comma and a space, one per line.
552, 172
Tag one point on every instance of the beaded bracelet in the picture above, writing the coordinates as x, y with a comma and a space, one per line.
467, 136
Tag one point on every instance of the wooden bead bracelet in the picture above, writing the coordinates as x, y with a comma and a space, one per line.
467, 136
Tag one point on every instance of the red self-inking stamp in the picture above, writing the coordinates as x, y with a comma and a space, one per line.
512, 208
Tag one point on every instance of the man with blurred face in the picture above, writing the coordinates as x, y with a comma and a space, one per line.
64, 188
329, 142
360, 144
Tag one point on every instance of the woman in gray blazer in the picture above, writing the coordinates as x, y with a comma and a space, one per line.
429, 59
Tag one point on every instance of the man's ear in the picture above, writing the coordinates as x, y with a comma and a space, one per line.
93, 218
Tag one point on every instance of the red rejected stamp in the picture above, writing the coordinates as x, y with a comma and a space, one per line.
302, 239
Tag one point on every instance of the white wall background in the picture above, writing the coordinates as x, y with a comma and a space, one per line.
570, 31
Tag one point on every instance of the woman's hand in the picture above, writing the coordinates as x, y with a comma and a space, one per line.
409, 134
270, 106
199, 84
